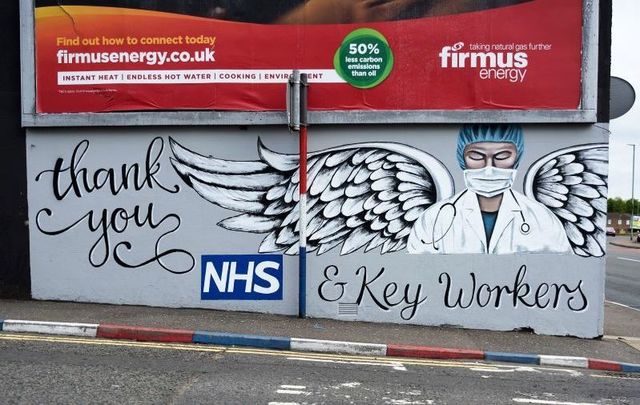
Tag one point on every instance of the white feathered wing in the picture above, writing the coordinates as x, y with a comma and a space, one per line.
572, 183
365, 195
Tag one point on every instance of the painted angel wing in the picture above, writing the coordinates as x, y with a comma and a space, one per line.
360, 195
572, 183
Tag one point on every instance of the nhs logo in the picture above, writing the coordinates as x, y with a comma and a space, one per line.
241, 277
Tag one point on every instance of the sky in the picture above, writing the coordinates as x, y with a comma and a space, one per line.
625, 63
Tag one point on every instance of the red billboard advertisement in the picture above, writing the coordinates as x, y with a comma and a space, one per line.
359, 55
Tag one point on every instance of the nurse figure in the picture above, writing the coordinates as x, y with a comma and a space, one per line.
488, 217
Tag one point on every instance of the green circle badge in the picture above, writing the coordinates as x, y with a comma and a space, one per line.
364, 58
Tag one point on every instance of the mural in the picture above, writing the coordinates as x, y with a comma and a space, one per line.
563, 209
509, 220
392, 196
72, 179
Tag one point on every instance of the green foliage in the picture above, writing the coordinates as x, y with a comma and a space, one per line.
621, 206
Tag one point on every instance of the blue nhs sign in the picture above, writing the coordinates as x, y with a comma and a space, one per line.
241, 277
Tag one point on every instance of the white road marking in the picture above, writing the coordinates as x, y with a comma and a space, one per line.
542, 401
405, 401
615, 377
491, 369
395, 365
612, 337
350, 385
631, 260
549, 370
622, 305
293, 392
284, 403
292, 389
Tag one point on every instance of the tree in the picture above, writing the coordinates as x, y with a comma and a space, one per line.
617, 205
628, 207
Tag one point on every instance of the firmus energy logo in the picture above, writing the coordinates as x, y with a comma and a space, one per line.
491, 65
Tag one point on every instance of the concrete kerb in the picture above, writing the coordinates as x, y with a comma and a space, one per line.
565, 361
125, 332
336, 347
106, 331
520, 358
425, 352
235, 339
51, 328
630, 246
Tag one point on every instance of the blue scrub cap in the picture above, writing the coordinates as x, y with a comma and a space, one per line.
490, 133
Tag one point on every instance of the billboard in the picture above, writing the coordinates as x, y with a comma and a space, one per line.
127, 55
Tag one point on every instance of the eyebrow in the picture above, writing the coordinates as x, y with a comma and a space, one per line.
481, 149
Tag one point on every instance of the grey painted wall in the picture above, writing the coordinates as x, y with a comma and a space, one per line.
73, 257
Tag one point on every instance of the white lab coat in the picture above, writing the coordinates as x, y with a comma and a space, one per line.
464, 231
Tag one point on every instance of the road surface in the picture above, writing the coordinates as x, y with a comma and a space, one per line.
623, 276
43, 369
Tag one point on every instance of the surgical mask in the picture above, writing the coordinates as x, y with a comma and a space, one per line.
489, 181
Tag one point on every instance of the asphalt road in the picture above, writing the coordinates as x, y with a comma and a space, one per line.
623, 276
41, 369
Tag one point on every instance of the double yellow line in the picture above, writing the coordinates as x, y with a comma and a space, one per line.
320, 357
386, 361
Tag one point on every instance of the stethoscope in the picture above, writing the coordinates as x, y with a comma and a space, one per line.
525, 228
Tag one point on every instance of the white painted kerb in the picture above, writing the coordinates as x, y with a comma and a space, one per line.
579, 362
332, 346
51, 328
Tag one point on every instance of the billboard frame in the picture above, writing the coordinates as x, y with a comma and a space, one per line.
586, 113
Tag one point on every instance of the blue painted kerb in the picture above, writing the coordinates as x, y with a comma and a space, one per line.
513, 357
234, 339
1, 323
630, 368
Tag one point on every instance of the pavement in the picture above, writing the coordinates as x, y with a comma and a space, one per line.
619, 348
624, 241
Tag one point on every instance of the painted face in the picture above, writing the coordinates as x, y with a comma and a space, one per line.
483, 154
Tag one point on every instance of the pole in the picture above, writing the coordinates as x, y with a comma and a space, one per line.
302, 301
633, 183
302, 285
297, 117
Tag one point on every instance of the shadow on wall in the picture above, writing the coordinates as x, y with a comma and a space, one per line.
14, 237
